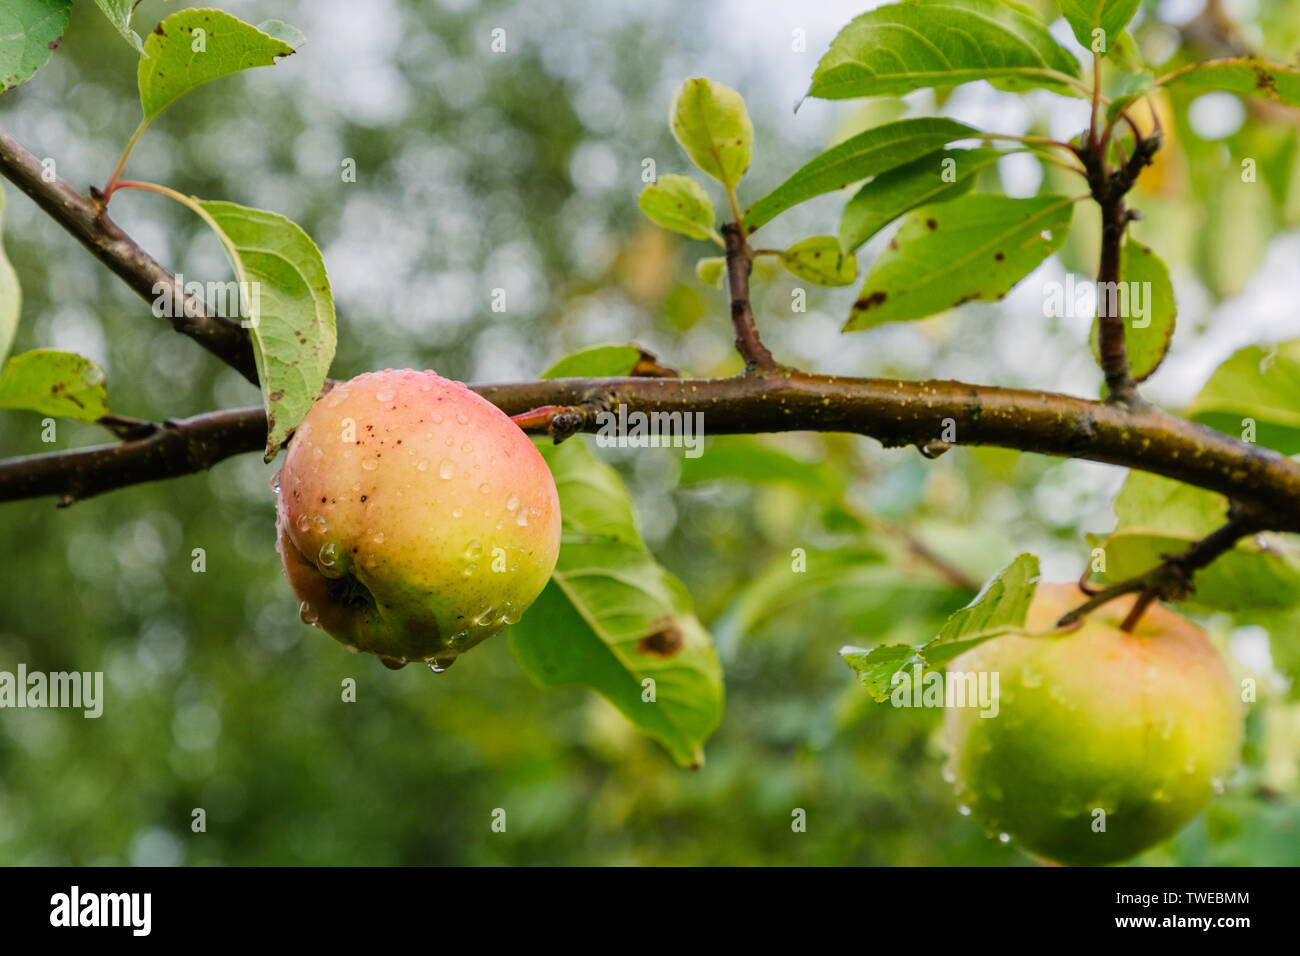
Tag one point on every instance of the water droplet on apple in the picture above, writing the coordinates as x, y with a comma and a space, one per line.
439, 665
521, 519
308, 614
304, 523
458, 512
320, 524
450, 441
483, 488
275, 483
466, 448
370, 464
462, 418
384, 395
447, 468
473, 550
393, 664
327, 555
423, 464
512, 503
378, 538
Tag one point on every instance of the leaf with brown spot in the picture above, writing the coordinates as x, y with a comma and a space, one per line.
931, 270
54, 383
170, 68
1246, 75
29, 32
291, 320
664, 641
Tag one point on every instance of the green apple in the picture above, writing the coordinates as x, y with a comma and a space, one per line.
1104, 743
415, 518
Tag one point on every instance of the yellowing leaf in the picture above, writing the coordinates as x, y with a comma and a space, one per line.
1144, 299
820, 259
710, 270
679, 203
54, 383
712, 125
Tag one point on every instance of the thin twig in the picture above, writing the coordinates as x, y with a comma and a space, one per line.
1172, 579
739, 264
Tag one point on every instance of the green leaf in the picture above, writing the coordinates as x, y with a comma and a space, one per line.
937, 43
1109, 16
1261, 383
193, 47
710, 270
1158, 516
1148, 318
612, 620
289, 309
603, 361
11, 293
1147, 501
119, 14
876, 667
712, 125
593, 498
820, 259
29, 32
930, 179
974, 247
54, 383
744, 458
1247, 75
679, 203
1000, 608
870, 153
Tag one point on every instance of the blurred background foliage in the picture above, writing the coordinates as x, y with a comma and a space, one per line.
520, 171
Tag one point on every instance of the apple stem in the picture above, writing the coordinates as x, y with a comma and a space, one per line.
1139, 608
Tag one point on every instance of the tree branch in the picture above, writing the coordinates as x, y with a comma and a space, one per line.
89, 224
165, 450
893, 412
